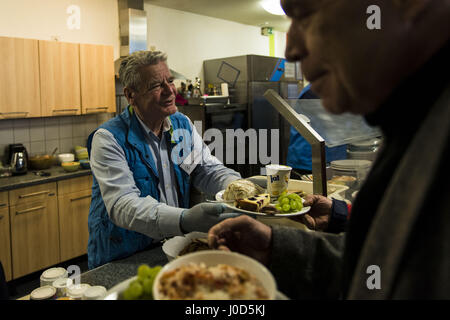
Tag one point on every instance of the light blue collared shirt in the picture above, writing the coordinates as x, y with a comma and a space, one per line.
160, 152
146, 215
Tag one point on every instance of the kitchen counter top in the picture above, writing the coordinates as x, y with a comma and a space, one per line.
112, 273
30, 179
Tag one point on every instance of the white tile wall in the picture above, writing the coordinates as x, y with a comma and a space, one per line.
43, 135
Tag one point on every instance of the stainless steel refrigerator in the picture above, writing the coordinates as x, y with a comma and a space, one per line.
248, 78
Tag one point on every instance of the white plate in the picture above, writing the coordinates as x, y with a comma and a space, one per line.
114, 292
173, 246
219, 197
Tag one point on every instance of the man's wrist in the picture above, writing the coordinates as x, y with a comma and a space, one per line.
181, 222
169, 220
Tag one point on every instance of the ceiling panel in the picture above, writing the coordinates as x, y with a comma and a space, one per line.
248, 12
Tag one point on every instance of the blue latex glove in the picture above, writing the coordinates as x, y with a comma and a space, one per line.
203, 216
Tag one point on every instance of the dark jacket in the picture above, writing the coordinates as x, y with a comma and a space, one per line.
400, 220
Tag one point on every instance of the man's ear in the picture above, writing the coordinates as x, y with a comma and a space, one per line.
412, 9
129, 94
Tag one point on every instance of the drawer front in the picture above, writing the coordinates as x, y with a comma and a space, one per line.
74, 185
3, 199
40, 192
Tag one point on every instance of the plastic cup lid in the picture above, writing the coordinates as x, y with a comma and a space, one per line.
77, 290
62, 283
42, 293
274, 168
53, 273
95, 292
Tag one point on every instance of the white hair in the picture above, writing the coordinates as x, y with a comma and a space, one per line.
129, 72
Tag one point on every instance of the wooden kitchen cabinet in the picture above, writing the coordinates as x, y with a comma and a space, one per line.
97, 78
34, 228
19, 78
74, 199
5, 237
59, 65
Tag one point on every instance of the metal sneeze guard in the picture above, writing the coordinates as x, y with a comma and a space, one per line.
313, 138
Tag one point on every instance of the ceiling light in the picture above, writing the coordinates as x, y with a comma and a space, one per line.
273, 7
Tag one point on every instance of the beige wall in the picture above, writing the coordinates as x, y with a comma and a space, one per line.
188, 39
47, 19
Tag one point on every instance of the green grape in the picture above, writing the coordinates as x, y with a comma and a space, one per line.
292, 196
142, 287
293, 205
136, 290
128, 295
284, 201
136, 281
299, 205
148, 286
133, 292
283, 194
155, 270
278, 207
144, 271
286, 208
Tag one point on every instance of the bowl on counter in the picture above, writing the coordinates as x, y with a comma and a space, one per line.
66, 157
85, 164
41, 161
81, 153
70, 166
214, 258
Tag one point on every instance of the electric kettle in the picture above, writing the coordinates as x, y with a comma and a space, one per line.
18, 158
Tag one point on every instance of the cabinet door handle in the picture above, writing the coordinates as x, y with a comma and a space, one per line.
33, 194
1, 217
12, 114
30, 210
66, 110
95, 109
2, 205
79, 198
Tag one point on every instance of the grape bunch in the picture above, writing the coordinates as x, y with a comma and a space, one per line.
142, 287
288, 203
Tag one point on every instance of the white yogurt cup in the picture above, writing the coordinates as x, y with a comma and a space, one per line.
61, 286
277, 178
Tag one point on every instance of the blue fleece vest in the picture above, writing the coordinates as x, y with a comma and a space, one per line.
107, 241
